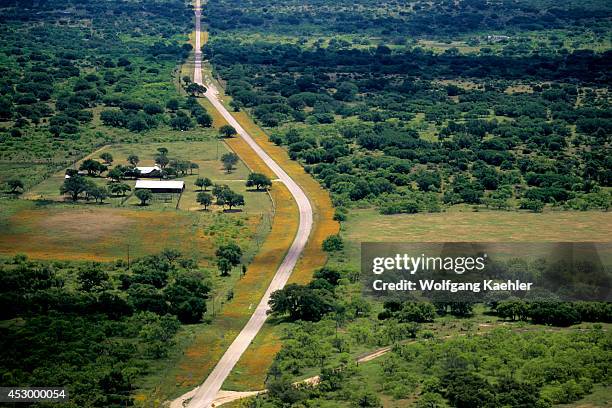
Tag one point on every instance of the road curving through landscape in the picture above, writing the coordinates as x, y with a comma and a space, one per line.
205, 394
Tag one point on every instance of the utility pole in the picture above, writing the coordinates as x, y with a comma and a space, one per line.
128, 253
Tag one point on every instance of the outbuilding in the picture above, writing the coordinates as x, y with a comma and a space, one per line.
153, 171
161, 186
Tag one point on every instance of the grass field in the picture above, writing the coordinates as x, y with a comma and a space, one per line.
367, 225
48, 230
479, 226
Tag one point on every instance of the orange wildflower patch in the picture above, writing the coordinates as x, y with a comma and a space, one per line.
251, 371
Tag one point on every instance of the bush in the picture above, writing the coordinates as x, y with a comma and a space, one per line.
333, 243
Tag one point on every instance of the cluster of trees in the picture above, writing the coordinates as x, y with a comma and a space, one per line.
395, 21
49, 88
76, 185
308, 302
554, 313
500, 368
361, 102
416, 175
225, 196
139, 117
167, 283
128, 316
537, 377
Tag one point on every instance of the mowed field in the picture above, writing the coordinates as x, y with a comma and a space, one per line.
54, 231
483, 226
367, 225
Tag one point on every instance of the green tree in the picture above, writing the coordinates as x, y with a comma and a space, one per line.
535, 206
92, 167
231, 199
431, 400
229, 160
15, 184
181, 122
195, 89
186, 296
346, 91
203, 183
98, 193
224, 266
193, 166
333, 243
157, 335
329, 274
230, 251
144, 195
512, 309
74, 186
119, 188
204, 199
115, 173
204, 119
107, 157
302, 302
235, 105
419, 312
367, 399
172, 105
162, 161
227, 131
133, 160
259, 181
92, 278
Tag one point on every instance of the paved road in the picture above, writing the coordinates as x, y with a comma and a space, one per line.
206, 393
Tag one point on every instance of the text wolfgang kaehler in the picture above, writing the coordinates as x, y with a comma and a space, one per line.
405, 263
449, 286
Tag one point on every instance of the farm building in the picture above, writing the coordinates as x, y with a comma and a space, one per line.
161, 186
154, 171
72, 172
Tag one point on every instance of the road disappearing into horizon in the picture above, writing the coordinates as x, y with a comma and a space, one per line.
206, 392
